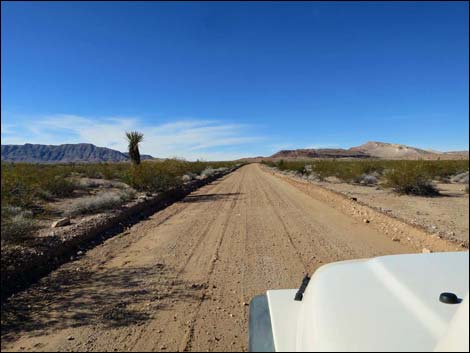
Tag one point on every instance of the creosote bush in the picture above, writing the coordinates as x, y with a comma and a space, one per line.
410, 181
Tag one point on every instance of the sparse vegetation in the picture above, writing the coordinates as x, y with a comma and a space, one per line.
408, 177
26, 188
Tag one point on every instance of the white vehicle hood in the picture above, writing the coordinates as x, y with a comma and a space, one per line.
389, 303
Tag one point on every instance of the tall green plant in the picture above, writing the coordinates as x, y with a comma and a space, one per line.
134, 138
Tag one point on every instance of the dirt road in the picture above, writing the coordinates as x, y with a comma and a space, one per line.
181, 280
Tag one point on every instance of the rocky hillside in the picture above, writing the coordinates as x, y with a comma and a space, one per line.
320, 153
80, 152
380, 150
396, 151
142, 156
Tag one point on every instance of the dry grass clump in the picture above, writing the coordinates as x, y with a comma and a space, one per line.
100, 202
17, 224
87, 183
209, 171
368, 179
460, 178
186, 178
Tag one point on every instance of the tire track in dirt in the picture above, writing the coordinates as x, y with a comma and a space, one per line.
358, 239
323, 246
186, 342
200, 241
207, 242
286, 230
214, 210
166, 214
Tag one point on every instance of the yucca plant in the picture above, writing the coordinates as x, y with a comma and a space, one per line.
134, 138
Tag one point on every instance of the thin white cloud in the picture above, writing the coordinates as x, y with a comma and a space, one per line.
7, 128
190, 139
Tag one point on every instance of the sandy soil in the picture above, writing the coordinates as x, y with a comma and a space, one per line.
446, 216
182, 279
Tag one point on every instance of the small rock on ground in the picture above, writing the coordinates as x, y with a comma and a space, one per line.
61, 222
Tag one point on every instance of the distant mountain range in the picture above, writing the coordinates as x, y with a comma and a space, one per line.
88, 153
68, 153
377, 150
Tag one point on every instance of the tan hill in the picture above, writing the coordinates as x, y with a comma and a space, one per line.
378, 150
384, 150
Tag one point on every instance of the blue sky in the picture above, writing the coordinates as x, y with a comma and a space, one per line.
225, 80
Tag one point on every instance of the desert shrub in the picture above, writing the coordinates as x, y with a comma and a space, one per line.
308, 169
23, 184
353, 171
15, 191
186, 178
410, 180
368, 179
443, 179
209, 171
460, 178
44, 195
86, 183
151, 178
57, 186
346, 170
100, 202
17, 224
